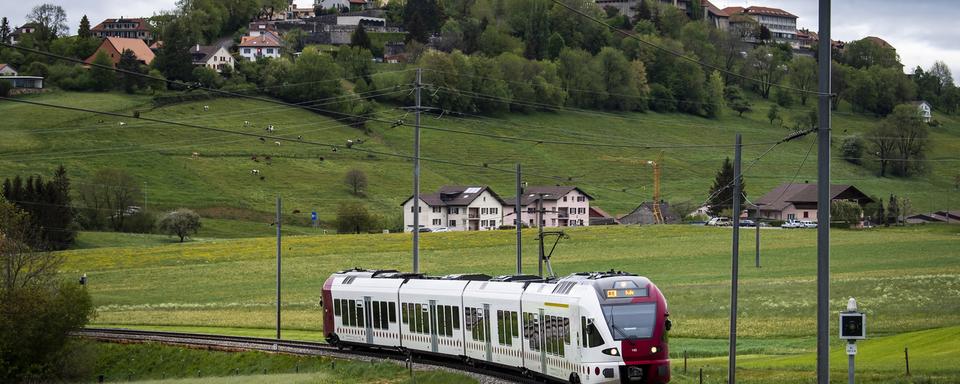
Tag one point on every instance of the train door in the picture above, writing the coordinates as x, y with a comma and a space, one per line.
486, 331
572, 325
543, 342
368, 324
433, 325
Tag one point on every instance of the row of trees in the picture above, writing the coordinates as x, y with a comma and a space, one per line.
48, 206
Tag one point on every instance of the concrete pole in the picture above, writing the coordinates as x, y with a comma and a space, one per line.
757, 223
518, 215
823, 198
735, 264
279, 247
540, 233
416, 180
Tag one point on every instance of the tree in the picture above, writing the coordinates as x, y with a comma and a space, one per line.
910, 139
695, 10
103, 77
803, 75
882, 139
356, 62
360, 39
943, 78
39, 309
421, 18
111, 192
49, 207
173, 58
767, 65
736, 99
714, 105
554, 45
451, 36
130, 64
871, 51
774, 114
893, 210
180, 223
852, 149
582, 81
5, 88
839, 81
52, 21
353, 218
619, 79
83, 31
721, 193
4, 30
643, 11
296, 39
356, 180
847, 212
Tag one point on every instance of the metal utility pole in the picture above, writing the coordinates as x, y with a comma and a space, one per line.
823, 198
279, 207
416, 179
518, 215
757, 223
735, 269
540, 233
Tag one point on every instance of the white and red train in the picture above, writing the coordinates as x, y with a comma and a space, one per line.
600, 327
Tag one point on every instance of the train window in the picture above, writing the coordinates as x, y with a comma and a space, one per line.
360, 315
413, 317
351, 313
403, 313
456, 318
393, 312
594, 339
583, 331
449, 314
441, 323
336, 307
514, 323
419, 316
566, 331
501, 326
426, 319
376, 315
383, 315
468, 320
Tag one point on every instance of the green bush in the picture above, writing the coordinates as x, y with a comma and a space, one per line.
5, 88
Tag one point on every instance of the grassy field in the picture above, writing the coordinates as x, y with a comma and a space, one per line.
154, 363
906, 279
219, 184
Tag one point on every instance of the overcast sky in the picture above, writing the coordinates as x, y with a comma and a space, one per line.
922, 30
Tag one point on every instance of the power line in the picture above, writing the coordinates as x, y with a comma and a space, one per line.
315, 143
682, 56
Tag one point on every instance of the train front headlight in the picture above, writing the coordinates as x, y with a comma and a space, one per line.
611, 352
654, 349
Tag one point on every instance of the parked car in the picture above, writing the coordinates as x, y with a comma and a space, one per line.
791, 224
719, 222
424, 229
747, 223
808, 224
440, 229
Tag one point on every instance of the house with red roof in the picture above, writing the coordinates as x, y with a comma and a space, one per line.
265, 44
114, 47
130, 28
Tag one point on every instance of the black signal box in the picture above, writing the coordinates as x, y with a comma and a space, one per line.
853, 326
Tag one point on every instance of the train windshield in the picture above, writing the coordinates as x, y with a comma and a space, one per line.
631, 321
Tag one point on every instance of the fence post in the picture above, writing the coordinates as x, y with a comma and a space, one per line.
906, 357
684, 361
701, 375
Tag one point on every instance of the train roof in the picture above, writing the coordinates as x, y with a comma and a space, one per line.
590, 278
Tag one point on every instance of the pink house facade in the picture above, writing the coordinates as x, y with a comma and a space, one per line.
565, 206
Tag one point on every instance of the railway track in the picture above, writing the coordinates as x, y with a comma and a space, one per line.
303, 348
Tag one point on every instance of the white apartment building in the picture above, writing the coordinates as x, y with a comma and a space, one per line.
782, 24
565, 206
457, 208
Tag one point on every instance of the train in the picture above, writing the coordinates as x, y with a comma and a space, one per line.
590, 327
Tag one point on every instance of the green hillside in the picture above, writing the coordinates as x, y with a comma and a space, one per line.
219, 183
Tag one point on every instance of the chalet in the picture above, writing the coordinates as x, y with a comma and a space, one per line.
7, 70
18, 32
265, 44
458, 208
211, 56
924, 109
564, 206
799, 201
130, 28
114, 47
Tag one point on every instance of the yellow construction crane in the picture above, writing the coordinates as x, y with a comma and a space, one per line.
657, 213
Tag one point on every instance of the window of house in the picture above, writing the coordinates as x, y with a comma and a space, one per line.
791, 216
436, 209
269, 50
246, 50
453, 223
437, 222
806, 214
564, 198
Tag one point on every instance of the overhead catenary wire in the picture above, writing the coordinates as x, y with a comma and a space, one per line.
308, 142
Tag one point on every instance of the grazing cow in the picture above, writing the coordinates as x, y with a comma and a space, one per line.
121, 123
195, 155
262, 140
206, 108
349, 143
270, 128
277, 143
262, 178
300, 137
254, 158
246, 123
255, 172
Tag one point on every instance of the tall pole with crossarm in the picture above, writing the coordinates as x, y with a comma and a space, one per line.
823, 199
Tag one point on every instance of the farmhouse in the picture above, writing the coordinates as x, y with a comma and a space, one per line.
643, 214
458, 208
114, 47
565, 206
211, 56
131, 28
799, 201
265, 44
7, 70
924, 109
